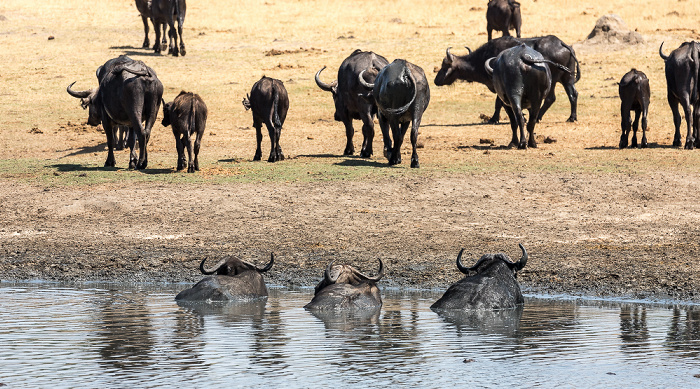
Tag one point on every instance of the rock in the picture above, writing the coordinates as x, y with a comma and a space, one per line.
610, 29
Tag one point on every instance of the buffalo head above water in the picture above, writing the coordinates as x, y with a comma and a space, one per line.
344, 287
230, 279
489, 284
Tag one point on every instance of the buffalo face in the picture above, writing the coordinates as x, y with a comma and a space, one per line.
344, 287
489, 284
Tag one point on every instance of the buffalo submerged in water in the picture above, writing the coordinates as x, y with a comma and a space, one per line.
344, 287
489, 284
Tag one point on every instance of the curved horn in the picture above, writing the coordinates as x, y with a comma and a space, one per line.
364, 83
450, 56
661, 53
468, 49
488, 67
523, 260
81, 94
376, 278
323, 85
401, 110
461, 267
327, 274
211, 270
268, 266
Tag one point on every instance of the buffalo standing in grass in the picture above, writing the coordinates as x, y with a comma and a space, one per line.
344, 287
521, 79
144, 8
269, 101
470, 68
167, 12
634, 93
492, 285
188, 115
129, 93
402, 94
352, 100
683, 87
503, 15
231, 279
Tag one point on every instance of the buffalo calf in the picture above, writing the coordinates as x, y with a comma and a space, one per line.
402, 94
269, 101
188, 115
503, 15
682, 68
634, 93
522, 80
489, 284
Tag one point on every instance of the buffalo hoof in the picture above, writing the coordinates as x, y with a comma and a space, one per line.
387, 153
190, 169
182, 51
676, 143
415, 164
146, 44
623, 142
522, 146
571, 119
689, 145
395, 161
142, 165
110, 164
493, 120
257, 156
349, 151
365, 154
132, 164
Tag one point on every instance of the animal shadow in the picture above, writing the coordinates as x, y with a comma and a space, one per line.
358, 162
75, 167
88, 149
650, 145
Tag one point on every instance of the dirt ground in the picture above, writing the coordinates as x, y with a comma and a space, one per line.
595, 220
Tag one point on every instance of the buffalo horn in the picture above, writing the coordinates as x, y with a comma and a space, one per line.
213, 269
461, 267
376, 278
523, 260
81, 94
661, 53
323, 85
362, 81
450, 56
268, 266
468, 49
327, 274
488, 67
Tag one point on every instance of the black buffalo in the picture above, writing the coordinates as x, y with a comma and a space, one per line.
503, 15
188, 115
489, 284
230, 279
344, 287
350, 98
129, 93
167, 12
634, 93
402, 94
521, 79
144, 8
269, 101
470, 68
683, 86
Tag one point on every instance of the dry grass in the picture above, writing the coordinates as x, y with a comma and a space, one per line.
227, 43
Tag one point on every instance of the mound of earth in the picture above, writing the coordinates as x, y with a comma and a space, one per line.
610, 29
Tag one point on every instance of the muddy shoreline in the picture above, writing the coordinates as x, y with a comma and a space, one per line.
578, 245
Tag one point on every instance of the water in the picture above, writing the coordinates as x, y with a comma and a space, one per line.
127, 336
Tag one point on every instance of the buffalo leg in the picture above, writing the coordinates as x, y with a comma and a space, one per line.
384, 126
625, 121
157, 45
673, 103
272, 131
180, 23
398, 132
635, 127
572, 94
109, 131
172, 46
531, 122
367, 133
258, 136
689, 140
414, 140
497, 112
197, 144
349, 132
548, 101
278, 149
180, 146
146, 42
513, 127
130, 143
187, 140
645, 110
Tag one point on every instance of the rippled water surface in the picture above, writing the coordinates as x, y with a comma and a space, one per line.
126, 336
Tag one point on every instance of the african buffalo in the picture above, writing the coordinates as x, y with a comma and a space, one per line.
344, 287
350, 98
402, 94
683, 86
521, 79
470, 68
503, 15
230, 279
492, 286
188, 115
144, 8
269, 101
167, 12
129, 93
634, 93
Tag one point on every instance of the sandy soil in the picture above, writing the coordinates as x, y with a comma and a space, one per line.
595, 220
